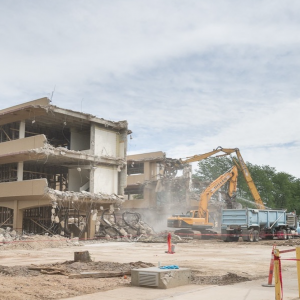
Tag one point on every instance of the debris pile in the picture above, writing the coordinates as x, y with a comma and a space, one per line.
128, 227
229, 278
161, 237
10, 239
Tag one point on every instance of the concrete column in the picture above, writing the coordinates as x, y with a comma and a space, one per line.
22, 129
92, 179
122, 152
92, 139
147, 170
122, 180
122, 149
92, 228
18, 218
20, 171
21, 136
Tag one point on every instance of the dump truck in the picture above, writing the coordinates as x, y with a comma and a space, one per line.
253, 224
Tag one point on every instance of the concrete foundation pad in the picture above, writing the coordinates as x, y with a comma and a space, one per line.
160, 278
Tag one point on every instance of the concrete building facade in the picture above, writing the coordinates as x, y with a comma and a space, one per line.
143, 174
58, 168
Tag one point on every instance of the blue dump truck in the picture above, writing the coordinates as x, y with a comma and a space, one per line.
253, 224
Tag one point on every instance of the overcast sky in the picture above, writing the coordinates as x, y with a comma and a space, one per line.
188, 76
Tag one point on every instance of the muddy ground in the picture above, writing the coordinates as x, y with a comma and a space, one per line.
212, 262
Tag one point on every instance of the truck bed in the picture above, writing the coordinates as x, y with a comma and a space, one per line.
253, 217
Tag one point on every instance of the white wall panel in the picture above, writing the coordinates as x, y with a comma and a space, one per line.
105, 142
106, 180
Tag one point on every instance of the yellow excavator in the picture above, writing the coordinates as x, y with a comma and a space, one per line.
198, 220
239, 163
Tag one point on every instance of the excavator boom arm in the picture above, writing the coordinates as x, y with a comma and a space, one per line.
215, 186
241, 164
199, 157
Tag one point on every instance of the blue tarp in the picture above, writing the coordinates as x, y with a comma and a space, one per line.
169, 267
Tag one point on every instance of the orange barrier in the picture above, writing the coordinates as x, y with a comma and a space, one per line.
271, 269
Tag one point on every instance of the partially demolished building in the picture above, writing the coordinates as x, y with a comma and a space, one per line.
59, 168
158, 186
154, 190
144, 172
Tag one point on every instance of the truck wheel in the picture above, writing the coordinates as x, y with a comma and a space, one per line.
255, 235
289, 234
235, 239
251, 236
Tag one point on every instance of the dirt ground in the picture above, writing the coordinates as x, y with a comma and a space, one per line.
212, 262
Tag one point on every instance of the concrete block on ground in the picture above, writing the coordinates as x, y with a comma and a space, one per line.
160, 278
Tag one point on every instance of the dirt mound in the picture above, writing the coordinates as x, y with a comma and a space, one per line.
71, 267
229, 278
17, 282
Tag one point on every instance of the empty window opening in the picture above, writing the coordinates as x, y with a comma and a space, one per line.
135, 168
57, 176
6, 217
9, 132
8, 172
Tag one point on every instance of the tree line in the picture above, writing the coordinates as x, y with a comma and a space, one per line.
278, 190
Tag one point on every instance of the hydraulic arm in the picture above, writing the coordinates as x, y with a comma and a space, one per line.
240, 163
205, 196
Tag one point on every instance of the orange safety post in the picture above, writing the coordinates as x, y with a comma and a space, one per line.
277, 275
298, 267
271, 269
169, 244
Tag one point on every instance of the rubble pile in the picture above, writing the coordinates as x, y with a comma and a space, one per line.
128, 227
161, 237
10, 239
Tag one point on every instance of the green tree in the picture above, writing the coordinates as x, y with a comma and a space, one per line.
295, 203
284, 187
211, 168
263, 179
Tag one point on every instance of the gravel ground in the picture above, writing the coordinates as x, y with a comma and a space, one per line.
212, 262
